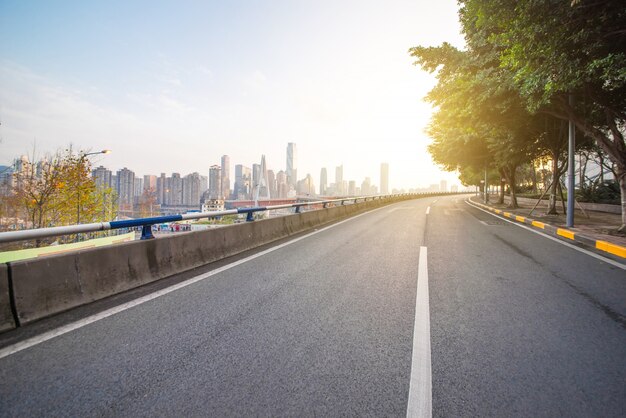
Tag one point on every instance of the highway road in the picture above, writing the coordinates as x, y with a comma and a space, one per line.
507, 323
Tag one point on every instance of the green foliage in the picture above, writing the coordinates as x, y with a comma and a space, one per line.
599, 192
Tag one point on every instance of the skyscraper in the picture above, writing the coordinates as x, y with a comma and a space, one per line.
271, 184
281, 184
226, 176
339, 180
160, 190
215, 182
242, 182
126, 188
176, 190
192, 189
102, 177
323, 181
384, 178
292, 164
150, 183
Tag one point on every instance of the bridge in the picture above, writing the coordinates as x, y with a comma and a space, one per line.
398, 306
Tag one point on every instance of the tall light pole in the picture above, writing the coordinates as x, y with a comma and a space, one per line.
82, 161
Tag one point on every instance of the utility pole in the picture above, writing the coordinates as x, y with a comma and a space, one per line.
570, 168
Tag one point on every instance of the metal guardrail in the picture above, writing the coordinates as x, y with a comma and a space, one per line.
146, 223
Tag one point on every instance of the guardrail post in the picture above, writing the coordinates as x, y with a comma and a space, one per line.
146, 232
325, 205
298, 209
250, 217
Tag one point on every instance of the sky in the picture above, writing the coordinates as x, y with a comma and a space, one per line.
172, 86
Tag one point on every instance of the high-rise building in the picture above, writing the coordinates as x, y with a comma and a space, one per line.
281, 184
256, 175
292, 164
215, 182
306, 186
125, 188
175, 193
366, 186
271, 184
339, 180
323, 181
226, 176
242, 182
160, 189
443, 186
192, 189
102, 177
138, 188
384, 178
352, 188
150, 183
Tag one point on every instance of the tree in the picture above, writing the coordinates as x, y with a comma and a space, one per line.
566, 59
480, 120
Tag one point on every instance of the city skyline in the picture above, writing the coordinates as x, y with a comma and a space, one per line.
169, 98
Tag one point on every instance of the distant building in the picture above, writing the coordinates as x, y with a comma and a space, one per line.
102, 177
323, 181
150, 183
226, 176
242, 182
192, 189
339, 180
306, 186
271, 184
384, 178
443, 186
160, 189
126, 188
215, 182
281, 184
292, 164
352, 188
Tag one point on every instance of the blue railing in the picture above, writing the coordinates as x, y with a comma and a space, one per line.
146, 223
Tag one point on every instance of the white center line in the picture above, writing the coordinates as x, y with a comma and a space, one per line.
22, 345
427, 210
420, 387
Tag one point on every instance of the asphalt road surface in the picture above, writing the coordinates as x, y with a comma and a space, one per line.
520, 325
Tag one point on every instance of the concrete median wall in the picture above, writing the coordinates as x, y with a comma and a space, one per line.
43, 287
6, 315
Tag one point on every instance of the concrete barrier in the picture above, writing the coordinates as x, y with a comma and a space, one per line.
43, 287
6, 315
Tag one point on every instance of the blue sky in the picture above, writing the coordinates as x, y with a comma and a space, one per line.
171, 86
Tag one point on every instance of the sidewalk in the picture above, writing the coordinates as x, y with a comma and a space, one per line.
595, 229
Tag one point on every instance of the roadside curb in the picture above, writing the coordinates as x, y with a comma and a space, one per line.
561, 233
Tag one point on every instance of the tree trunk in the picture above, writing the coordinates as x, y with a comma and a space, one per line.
510, 177
621, 178
502, 185
553, 186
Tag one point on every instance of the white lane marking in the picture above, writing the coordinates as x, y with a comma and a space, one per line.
567, 244
420, 387
30, 342
428, 210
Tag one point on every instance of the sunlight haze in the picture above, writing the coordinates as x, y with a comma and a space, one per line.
171, 87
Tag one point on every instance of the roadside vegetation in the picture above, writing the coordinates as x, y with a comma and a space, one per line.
503, 104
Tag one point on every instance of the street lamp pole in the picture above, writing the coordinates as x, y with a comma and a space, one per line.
82, 161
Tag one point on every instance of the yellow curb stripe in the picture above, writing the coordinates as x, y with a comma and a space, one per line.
498, 211
611, 248
520, 218
507, 214
539, 224
565, 233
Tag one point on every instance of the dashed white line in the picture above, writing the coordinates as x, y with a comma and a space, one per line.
420, 387
428, 210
